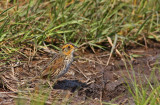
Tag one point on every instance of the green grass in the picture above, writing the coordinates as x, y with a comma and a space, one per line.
82, 22
144, 93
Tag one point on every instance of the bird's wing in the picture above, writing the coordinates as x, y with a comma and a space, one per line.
54, 58
54, 66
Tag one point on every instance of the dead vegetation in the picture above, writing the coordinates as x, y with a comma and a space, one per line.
88, 79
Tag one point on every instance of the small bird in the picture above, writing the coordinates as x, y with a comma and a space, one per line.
60, 63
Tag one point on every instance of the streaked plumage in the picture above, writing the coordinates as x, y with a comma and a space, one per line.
60, 63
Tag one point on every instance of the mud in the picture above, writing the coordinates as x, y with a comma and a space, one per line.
90, 80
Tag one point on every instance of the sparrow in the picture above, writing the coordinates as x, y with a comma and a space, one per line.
60, 63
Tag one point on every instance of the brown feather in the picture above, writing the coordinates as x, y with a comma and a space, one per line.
54, 67
60, 63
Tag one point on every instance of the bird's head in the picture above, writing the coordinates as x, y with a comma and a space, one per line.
68, 49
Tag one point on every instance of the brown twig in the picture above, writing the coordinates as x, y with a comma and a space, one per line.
110, 42
81, 71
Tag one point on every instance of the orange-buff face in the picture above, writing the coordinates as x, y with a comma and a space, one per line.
68, 49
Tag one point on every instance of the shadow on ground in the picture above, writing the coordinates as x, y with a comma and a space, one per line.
71, 85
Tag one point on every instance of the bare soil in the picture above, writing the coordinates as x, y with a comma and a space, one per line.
89, 81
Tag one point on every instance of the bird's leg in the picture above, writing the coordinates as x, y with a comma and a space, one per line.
50, 84
54, 81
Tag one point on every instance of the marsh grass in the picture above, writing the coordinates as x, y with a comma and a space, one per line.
82, 22
144, 93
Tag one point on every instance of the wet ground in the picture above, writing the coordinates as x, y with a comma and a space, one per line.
90, 80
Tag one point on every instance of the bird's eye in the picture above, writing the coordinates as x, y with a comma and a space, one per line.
69, 47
